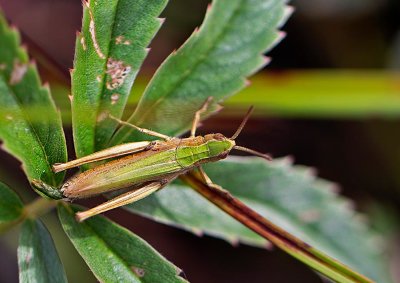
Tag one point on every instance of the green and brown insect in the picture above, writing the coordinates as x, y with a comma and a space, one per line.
147, 167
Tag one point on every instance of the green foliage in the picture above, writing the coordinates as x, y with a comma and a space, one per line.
109, 52
113, 253
215, 61
11, 207
37, 256
194, 214
28, 117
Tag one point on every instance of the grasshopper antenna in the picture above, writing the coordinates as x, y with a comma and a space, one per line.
245, 119
251, 151
239, 130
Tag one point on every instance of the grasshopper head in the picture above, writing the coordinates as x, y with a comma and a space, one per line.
225, 144
46, 190
219, 145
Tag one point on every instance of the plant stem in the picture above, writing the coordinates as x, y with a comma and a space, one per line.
33, 210
314, 258
39, 207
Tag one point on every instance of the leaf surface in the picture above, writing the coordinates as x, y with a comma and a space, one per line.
290, 197
215, 61
108, 55
113, 253
11, 207
38, 260
30, 126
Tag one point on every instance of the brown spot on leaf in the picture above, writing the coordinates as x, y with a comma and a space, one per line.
83, 43
3, 67
114, 98
117, 72
121, 40
102, 116
310, 216
18, 72
138, 271
28, 257
197, 232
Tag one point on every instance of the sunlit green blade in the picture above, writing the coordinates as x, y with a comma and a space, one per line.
114, 254
30, 126
109, 52
11, 208
38, 260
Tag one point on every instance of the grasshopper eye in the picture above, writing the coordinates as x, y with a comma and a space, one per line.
219, 137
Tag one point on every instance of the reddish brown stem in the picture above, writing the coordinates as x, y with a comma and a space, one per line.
277, 236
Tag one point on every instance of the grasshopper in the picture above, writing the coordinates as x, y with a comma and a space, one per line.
147, 167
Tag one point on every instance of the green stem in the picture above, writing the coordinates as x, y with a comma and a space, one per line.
38, 207
33, 210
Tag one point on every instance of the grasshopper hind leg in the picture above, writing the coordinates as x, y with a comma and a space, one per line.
121, 200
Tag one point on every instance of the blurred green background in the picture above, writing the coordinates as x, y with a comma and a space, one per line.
330, 98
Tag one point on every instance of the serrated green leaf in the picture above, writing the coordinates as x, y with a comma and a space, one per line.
214, 61
37, 256
11, 207
108, 55
113, 253
30, 125
288, 196
194, 214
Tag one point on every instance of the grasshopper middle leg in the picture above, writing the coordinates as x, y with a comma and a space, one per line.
142, 130
197, 116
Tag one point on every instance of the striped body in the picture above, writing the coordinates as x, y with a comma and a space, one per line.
165, 161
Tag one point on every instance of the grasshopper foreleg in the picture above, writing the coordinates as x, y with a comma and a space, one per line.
208, 181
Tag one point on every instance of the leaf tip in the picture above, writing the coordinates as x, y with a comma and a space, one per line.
197, 232
46, 85
234, 242
209, 7
288, 11
18, 72
334, 188
266, 60
281, 35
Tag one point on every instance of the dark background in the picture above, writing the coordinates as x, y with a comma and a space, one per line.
361, 155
